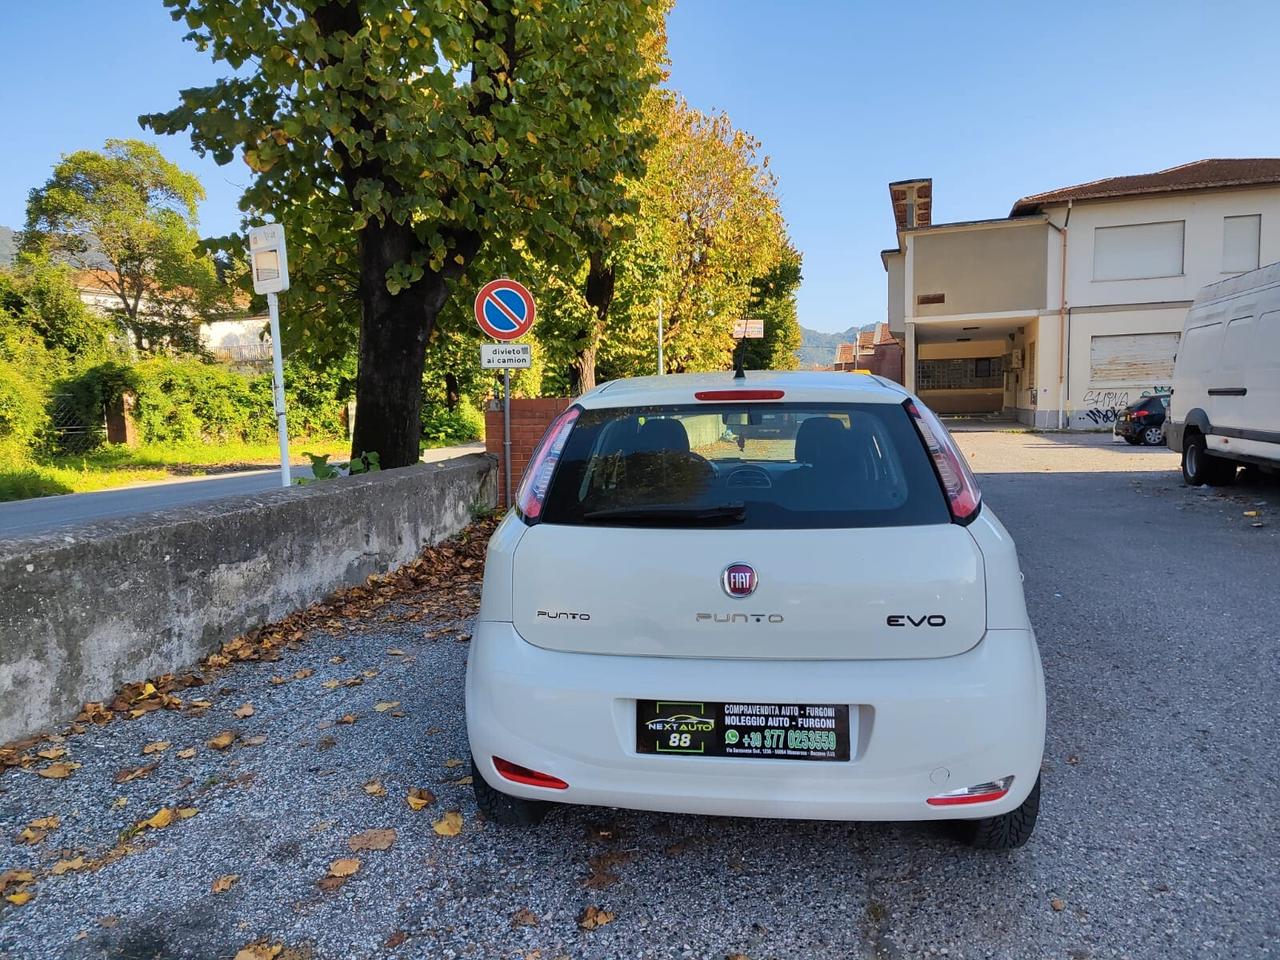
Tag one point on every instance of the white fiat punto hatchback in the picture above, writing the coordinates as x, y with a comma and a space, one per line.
771, 596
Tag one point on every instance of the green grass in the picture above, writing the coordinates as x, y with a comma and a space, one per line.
118, 466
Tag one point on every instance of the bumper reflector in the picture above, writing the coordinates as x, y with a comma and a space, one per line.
979, 793
532, 778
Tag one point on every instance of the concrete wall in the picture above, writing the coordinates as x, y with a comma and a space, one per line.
979, 270
86, 610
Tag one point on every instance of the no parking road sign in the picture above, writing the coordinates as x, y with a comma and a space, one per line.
504, 309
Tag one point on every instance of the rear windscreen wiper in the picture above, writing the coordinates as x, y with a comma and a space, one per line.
662, 513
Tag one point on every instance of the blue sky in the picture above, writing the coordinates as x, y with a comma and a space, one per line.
993, 101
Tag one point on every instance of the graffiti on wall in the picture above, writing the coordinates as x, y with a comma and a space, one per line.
1103, 406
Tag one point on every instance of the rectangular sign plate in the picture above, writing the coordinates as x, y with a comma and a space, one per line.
513, 356
745, 329
769, 731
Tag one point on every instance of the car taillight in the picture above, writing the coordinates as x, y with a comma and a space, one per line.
1138, 413
963, 495
533, 778
978, 793
537, 476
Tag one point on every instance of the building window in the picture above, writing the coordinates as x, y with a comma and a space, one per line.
1241, 239
1140, 251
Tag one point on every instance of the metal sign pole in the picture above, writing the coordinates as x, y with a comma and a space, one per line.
661, 366
506, 433
277, 383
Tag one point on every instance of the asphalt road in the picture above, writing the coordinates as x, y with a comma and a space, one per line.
1155, 606
22, 518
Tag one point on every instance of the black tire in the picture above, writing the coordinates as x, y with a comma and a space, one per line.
1132, 441
1153, 437
1008, 831
1199, 467
502, 807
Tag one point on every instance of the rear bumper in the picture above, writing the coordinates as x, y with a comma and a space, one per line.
923, 727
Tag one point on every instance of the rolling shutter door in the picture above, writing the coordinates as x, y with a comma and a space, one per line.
1139, 358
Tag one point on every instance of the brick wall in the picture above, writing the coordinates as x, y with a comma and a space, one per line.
529, 421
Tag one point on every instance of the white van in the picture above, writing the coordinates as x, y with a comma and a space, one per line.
1225, 409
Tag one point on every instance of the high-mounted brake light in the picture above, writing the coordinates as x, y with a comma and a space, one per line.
963, 495
537, 475
532, 778
739, 395
979, 793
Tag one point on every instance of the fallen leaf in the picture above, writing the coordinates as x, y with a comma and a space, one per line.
303, 673
108, 921
326, 743
344, 868
66, 866
347, 718
375, 839
58, 771
593, 917
158, 820
394, 940
255, 741
395, 652
187, 754
260, 951
186, 813
19, 898
374, 788
224, 882
10, 877
51, 822
387, 705
31, 837
1057, 904
159, 746
1251, 513
419, 797
244, 710
450, 825
52, 753
277, 681
330, 684
119, 802
370, 673
137, 773
337, 659
524, 918
222, 740
453, 762
1073, 758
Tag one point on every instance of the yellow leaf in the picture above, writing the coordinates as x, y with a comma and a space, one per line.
51, 822
148, 690
1247, 513
64, 866
256, 741
384, 31
260, 951
406, 16
593, 917
244, 710
524, 918
52, 753
387, 705
32, 837
453, 762
187, 754
19, 898
119, 802
347, 718
224, 882
330, 684
159, 820
344, 868
376, 839
375, 789
186, 813
58, 771
395, 652
159, 746
419, 798
450, 825
532, 137
223, 740
303, 673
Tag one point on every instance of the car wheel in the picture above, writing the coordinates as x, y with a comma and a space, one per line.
1153, 436
1193, 460
1008, 831
1132, 441
502, 807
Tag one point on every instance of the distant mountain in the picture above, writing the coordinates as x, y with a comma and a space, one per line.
820, 348
8, 247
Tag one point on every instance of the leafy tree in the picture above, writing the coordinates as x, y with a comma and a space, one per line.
41, 297
127, 216
773, 300
393, 137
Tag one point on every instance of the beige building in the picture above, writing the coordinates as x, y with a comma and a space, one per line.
1070, 308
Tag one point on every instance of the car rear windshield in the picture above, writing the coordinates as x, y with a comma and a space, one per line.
746, 465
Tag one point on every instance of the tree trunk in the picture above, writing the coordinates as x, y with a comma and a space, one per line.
452, 394
393, 343
599, 295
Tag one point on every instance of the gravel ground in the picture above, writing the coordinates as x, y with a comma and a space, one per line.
1155, 606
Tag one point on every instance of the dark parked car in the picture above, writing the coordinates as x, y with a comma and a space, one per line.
1143, 422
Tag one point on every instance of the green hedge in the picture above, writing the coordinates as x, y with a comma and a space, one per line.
442, 427
24, 418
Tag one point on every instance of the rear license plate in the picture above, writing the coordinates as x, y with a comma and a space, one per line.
768, 731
